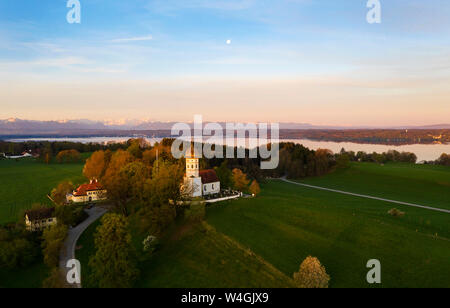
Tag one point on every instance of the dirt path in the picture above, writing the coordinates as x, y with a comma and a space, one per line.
368, 197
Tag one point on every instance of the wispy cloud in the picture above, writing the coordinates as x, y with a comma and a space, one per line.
133, 39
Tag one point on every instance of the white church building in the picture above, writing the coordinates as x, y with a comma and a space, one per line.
200, 182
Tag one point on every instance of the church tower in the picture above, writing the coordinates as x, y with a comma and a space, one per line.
192, 166
193, 180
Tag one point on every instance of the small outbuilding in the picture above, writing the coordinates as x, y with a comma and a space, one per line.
39, 219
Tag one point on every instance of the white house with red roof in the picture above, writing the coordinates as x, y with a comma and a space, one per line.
93, 191
200, 183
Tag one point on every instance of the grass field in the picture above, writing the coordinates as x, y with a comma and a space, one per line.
23, 183
28, 181
195, 257
287, 223
421, 184
261, 242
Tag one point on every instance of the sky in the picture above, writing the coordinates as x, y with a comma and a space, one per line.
304, 61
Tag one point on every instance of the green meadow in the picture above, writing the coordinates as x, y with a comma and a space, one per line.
260, 242
27, 181
421, 184
287, 223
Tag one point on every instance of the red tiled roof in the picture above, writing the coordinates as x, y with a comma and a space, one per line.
209, 176
83, 189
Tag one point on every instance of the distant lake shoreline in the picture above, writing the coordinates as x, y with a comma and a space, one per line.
426, 152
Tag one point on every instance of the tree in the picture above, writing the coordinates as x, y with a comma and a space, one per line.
134, 176
113, 265
55, 280
165, 184
47, 154
16, 252
225, 175
59, 193
159, 151
240, 180
254, 188
53, 241
135, 149
95, 165
312, 275
155, 220
343, 161
70, 215
444, 160
116, 182
68, 156
322, 161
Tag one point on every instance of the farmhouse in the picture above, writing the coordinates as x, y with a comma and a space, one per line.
93, 191
37, 220
200, 183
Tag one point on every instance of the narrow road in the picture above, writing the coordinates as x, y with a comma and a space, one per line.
368, 197
68, 250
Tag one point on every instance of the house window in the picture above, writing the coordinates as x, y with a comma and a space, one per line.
204, 188
212, 186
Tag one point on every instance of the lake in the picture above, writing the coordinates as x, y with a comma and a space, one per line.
423, 151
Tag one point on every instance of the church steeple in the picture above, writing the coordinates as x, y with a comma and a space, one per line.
192, 165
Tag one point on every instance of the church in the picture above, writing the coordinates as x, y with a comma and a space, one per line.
200, 182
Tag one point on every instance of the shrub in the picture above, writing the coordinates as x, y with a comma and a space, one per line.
55, 280
53, 241
254, 188
311, 275
151, 244
396, 213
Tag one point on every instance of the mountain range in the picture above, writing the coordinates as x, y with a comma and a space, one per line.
15, 126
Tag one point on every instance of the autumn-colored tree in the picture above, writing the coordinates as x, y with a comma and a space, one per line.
322, 161
68, 156
312, 275
165, 183
135, 149
47, 155
95, 165
116, 182
240, 180
134, 175
113, 265
159, 151
59, 193
254, 188
53, 240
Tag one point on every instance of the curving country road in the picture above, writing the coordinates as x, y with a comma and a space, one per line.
68, 250
368, 197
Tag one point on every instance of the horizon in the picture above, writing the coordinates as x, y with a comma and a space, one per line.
290, 62
133, 123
